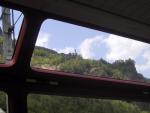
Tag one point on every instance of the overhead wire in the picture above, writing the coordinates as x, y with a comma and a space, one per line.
18, 19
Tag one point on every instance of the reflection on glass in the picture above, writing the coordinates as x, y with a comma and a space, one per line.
60, 104
70, 48
10, 23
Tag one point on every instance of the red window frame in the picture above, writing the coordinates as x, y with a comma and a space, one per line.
18, 79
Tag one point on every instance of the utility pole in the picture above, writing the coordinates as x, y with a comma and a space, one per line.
7, 48
7, 41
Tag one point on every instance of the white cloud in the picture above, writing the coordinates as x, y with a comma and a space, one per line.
66, 50
86, 46
43, 39
123, 48
145, 66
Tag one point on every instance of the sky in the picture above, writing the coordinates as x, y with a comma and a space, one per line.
92, 44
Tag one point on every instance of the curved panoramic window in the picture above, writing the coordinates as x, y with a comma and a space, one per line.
70, 48
10, 24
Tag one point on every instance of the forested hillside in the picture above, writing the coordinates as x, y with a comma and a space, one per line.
74, 63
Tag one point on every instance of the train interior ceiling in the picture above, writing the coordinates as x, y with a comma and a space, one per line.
22, 81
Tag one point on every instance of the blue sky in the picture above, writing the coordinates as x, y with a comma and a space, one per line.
92, 44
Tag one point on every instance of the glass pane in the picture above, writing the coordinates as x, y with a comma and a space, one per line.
70, 48
60, 104
3, 104
10, 24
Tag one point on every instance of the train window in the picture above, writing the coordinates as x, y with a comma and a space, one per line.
59, 104
70, 48
10, 24
3, 102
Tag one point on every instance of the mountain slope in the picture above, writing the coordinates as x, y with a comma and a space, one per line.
74, 63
